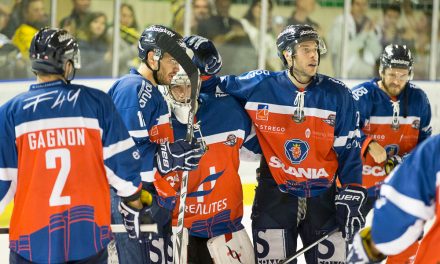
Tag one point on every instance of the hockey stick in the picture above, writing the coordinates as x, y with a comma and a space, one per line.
305, 249
152, 228
170, 46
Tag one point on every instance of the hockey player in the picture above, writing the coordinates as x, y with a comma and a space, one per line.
395, 116
306, 124
61, 145
147, 118
214, 204
409, 198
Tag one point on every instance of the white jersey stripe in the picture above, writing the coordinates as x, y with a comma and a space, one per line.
408, 204
341, 141
397, 245
221, 137
163, 119
8, 174
385, 120
139, 133
117, 147
289, 110
55, 123
124, 188
148, 176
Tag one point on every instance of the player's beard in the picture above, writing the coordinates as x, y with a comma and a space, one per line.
163, 79
300, 75
392, 89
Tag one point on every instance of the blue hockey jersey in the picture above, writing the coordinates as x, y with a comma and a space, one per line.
409, 198
397, 124
60, 147
308, 137
146, 116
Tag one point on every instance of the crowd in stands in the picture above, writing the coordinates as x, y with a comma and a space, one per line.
238, 38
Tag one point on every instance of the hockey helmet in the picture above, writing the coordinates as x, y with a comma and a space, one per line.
149, 41
51, 48
396, 56
295, 34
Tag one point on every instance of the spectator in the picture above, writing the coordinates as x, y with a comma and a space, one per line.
363, 42
129, 35
11, 62
34, 19
390, 32
69, 25
303, 9
95, 47
251, 24
15, 19
79, 12
231, 39
422, 46
201, 11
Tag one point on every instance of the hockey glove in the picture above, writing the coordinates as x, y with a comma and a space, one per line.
158, 212
206, 56
133, 218
349, 202
362, 250
179, 155
391, 163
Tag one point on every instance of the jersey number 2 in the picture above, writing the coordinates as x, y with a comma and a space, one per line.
51, 156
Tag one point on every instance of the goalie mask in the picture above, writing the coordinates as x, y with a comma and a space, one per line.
178, 95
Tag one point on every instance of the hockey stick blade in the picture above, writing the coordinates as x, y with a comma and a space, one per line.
152, 228
305, 249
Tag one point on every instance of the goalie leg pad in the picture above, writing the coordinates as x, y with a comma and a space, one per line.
233, 248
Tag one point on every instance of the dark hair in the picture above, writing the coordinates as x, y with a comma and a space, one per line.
86, 33
130, 7
392, 7
249, 16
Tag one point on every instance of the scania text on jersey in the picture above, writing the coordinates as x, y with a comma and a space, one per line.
375, 170
309, 173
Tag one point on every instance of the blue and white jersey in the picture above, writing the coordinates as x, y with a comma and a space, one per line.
61, 145
146, 116
308, 136
409, 198
397, 124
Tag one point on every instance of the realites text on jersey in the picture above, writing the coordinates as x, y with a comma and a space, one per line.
145, 114
214, 205
397, 124
307, 136
60, 147
409, 198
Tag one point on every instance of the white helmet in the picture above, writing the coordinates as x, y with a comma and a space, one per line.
179, 106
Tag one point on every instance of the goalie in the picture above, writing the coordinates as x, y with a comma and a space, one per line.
214, 204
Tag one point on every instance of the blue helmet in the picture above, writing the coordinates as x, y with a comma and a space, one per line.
51, 48
149, 41
295, 34
396, 56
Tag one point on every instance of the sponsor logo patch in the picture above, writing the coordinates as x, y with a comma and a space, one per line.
296, 150
262, 112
